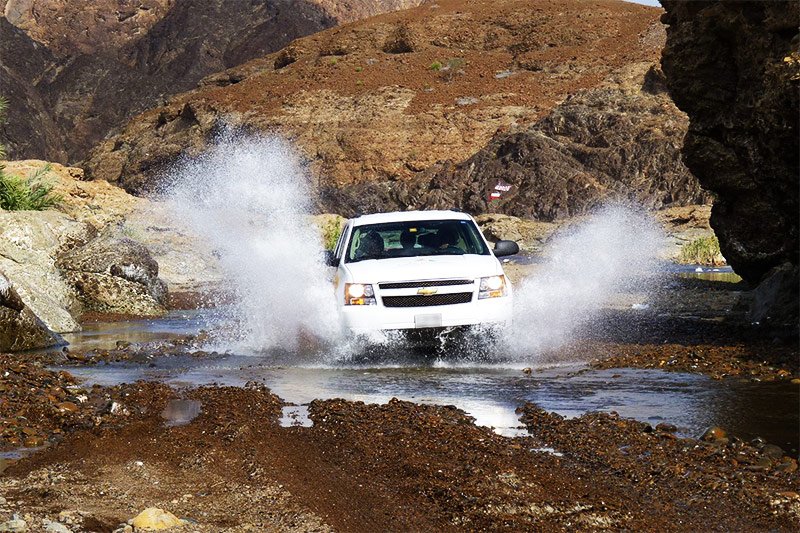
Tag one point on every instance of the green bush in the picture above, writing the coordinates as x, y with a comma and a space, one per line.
27, 194
702, 251
435, 66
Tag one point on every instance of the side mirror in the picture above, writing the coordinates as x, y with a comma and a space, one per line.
502, 248
329, 259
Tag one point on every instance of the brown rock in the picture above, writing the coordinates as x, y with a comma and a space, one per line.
67, 407
742, 97
713, 433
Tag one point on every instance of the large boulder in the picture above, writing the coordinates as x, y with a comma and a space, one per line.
734, 68
30, 242
20, 328
115, 275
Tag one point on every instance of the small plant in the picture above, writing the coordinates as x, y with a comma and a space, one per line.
359, 69
435, 66
333, 61
27, 194
330, 229
702, 251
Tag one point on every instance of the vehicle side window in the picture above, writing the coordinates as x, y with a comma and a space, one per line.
337, 251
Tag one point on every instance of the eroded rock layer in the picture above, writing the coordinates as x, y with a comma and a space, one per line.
381, 100
74, 70
734, 68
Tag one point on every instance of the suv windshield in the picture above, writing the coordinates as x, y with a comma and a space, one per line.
414, 238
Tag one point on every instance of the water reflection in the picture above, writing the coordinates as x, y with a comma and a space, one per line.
491, 394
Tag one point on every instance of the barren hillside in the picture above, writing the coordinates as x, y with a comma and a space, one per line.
385, 98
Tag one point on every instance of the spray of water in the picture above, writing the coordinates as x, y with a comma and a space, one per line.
586, 266
248, 199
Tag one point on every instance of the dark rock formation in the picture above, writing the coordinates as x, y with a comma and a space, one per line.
73, 71
20, 328
115, 276
619, 141
734, 68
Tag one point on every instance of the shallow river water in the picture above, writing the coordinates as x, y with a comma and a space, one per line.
488, 392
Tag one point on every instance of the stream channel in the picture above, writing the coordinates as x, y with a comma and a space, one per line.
488, 392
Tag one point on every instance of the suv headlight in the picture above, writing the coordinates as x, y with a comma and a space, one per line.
492, 287
359, 294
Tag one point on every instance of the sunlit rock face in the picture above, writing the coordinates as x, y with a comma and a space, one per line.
733, 67
74, 70
20, 328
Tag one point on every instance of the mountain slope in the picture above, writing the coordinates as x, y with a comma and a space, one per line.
385, 98
73, 71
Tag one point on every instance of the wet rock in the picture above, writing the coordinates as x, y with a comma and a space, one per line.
714, 433
20, 328
787, 465
666, 427
67, 406
154, 518
772, 451
114, 275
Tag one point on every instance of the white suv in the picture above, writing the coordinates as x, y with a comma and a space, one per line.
419, 269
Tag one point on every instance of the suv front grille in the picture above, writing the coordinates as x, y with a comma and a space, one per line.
426, 301
420, 284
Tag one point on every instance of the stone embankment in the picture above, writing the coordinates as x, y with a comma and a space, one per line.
59, 264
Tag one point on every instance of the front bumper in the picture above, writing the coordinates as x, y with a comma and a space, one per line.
363, 319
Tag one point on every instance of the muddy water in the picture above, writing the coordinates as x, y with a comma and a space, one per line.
488, 392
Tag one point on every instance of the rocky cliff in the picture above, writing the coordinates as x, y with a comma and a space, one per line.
381, 100
74, 70
619, 141
734, 68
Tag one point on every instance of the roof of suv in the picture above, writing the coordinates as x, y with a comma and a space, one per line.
403, 216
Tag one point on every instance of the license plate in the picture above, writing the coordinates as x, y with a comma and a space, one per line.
433, 320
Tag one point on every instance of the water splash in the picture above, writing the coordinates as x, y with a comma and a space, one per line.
586, 266
248, 198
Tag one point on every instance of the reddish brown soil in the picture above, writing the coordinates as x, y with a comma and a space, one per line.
397, 467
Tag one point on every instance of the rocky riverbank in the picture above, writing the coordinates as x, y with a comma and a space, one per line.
398, 466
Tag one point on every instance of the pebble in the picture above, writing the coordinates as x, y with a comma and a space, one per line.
772, 451
67, 406
156, 519
55, 527
527, 370
796, 381
787, 466
713, 433
14, 525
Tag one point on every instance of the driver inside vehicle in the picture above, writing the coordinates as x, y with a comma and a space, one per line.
448, 239
371, 246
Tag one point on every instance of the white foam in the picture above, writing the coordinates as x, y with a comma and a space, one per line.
585, 267
248, 198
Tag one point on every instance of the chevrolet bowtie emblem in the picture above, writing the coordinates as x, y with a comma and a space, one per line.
427, 292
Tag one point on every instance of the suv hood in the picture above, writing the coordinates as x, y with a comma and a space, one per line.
423, 268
